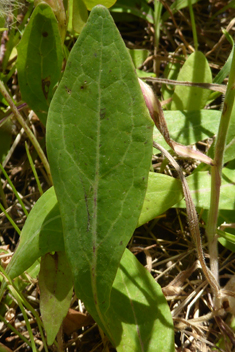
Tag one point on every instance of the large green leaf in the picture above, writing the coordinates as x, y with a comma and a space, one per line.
56, 288
139, 314
42, 233
189, 127
196, 69
39, 60
99, 143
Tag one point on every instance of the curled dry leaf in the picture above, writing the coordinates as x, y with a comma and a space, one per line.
5, 259
75, 320
156, 113
227, 296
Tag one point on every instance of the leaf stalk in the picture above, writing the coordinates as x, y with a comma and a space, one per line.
216, 171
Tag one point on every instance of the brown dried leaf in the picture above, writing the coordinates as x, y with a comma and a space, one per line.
76, 320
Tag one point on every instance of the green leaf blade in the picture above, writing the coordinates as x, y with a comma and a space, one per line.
99, 141
176, 6
196, 69
162, 193
39, 60
78, 15
200, 189
137, 8
189, 127
55, 295
139, 315
92, 3
42, 233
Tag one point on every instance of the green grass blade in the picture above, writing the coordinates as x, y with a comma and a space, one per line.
194, 29
14, 190
10, 219
33, 169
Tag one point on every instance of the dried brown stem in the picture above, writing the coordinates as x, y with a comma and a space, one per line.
192, 220
212, 86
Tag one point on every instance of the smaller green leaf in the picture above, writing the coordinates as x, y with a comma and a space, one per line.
230, 148
227, 240
225, 216
228, 236
231, 4
34, 269
4, 348
39, 60
139, 315
135, 7
162, 193
78, 15
200, 188
141, 73
138, 56
229, 152
195, 69
56, 288
92, 3
42, 233
224, 72
176, 6
58, 8
189, 127
171, 72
